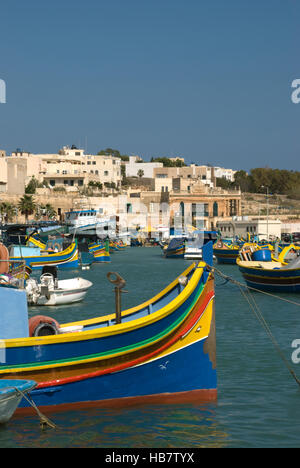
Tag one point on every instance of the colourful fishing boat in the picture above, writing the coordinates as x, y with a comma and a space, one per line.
262, 270
226, 252
163, 350
115, 247
100, 251
35, 241
36, 258
175, 249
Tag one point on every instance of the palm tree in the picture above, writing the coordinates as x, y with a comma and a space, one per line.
27, 206
7, 211
48, 211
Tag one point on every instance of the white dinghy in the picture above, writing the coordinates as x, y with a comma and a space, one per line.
52, 292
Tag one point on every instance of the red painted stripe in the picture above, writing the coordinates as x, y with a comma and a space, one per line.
137, 361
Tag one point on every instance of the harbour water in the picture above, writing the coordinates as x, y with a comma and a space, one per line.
258, 400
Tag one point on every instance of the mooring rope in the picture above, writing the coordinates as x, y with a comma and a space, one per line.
238, 283
44, 421
245, 291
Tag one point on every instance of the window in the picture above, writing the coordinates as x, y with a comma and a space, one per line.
106, 173
215, 209
80, 182
52, 183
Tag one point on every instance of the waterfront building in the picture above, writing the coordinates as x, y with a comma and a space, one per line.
263, 229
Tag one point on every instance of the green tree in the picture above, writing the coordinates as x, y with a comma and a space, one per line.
27, 206
31, 186
7, 211
46, 210
243, 181
224, 183
168, 163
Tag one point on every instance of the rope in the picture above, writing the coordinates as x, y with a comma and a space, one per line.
44, 421
258, 314
238, 283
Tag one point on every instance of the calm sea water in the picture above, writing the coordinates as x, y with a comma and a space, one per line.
258, 400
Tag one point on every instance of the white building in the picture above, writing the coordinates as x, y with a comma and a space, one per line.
264, 229
226, 173
133, 166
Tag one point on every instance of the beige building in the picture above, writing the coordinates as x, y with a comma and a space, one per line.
3, 172
205, 174
70, 168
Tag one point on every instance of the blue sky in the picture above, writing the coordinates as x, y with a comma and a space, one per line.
209, 80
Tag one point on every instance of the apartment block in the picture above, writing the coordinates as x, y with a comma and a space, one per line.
70, 168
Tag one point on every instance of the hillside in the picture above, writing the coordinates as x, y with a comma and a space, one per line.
280, 206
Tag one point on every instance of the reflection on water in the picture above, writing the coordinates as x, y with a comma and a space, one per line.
162, 426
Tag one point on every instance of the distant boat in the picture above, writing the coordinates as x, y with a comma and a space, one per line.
193, 246
100, 252
89, 222
11, 394
226, 252
261, 270
37, 258
175, 249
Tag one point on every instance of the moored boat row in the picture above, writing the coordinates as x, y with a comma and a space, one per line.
147, 355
